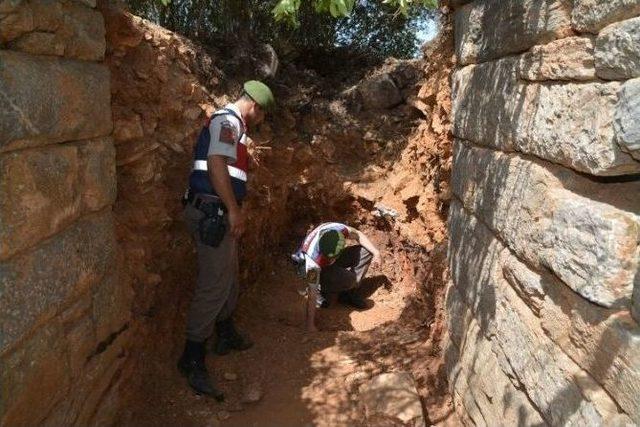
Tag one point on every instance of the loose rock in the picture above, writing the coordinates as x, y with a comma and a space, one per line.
223, 415
230, 376
392, 398
252, 393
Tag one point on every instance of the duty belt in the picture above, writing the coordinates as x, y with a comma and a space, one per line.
198, 199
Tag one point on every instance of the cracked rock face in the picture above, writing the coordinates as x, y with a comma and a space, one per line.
627, 118
618, 51
544, 222
593, 15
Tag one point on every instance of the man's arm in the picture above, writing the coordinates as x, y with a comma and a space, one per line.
312, 297
225, 136
365, 242
221, 181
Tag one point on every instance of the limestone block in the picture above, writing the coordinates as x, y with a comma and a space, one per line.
97, 159
478, 377
570, 58
34, 378
485, 103
636, 303
48, 100
627, 124
618, 51
81, 342
54, 28
471, 270
35, 285
491, 29
556, 384
555, 219
458, 315
564, 393
39, 195
83, 31
593, 15
38, 43
110, 404
602, 342
112, 305
98, 375
493, 108
580, 138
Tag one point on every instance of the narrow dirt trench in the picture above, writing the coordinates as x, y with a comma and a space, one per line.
322, 157
312, 379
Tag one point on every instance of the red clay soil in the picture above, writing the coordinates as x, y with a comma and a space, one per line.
313, 379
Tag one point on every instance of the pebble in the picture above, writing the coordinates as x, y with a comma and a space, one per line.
223, 415
235, 407
355, 377
252, 393
230, 376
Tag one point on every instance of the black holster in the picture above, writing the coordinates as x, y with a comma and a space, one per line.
212, 227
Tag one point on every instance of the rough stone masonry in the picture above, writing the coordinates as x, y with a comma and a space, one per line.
64, 316
544, 303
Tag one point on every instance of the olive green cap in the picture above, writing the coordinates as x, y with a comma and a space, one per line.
260, 93
331, 243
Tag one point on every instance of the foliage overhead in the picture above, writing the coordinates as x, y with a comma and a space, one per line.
287, 10
372, 28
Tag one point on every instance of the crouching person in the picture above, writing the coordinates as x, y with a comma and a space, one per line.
329, 266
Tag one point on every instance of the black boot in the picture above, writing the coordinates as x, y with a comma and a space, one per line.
229, 338
325, 300
192, 366
352, 298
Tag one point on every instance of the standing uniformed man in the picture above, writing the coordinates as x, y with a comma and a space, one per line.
217, 186
330, 267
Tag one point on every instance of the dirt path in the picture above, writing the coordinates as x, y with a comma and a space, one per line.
314, 379
309, 379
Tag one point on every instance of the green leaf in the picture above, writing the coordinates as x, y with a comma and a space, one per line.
287, 11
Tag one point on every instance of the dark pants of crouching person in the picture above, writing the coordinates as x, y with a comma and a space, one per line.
344, 276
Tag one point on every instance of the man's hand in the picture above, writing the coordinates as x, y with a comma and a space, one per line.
236, 222
376, 259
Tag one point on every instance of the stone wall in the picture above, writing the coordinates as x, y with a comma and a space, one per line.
62, 337
544, 223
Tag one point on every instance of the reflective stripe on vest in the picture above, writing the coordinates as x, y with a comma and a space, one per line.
234, 172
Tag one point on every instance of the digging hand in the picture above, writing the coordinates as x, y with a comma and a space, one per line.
376, 259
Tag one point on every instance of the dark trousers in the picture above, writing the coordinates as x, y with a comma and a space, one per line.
216, 293
347, 271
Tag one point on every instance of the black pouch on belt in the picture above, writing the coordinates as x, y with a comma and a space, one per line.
212, 226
